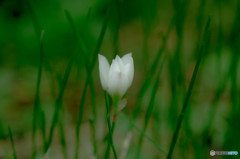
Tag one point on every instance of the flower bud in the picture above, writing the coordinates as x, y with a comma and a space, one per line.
118, 77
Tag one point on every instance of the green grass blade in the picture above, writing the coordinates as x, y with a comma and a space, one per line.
141, 132
34, 18
80, 41
43, 128
94, 117
116, 11
100, 39
58, 104
38, 31
222, 82
36, 107
88, 81
62, 137
93, 136
233, 126
190, 88
181, 8
153, 68
149, 110
89, 76
174, 107
80, 116
12, 143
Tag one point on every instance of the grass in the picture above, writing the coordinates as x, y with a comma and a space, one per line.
12, 143
152, 71
110, 127
234, 115
84, 53
161, 100
143, 133
37, 110
58, 104
149, 111
80, 116
89, 81
190, 88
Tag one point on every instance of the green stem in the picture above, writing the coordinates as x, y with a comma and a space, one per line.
110, 127
109, 145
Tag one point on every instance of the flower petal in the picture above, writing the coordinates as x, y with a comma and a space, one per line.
127, 69
127, 59
123, 84
118, 83
114, 67
104, 70
120, 62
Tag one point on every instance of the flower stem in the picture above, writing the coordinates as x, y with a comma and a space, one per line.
110, 127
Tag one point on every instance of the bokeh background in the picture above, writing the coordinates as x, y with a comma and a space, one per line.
173, 29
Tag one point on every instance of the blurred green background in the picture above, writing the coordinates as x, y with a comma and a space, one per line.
212, 119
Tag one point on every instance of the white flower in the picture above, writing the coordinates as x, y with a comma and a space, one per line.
118, 77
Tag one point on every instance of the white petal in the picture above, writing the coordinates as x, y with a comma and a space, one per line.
123, 84
114, 67
104, 70
113, 83
127, 69
118, 83
120, 62
127, 59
